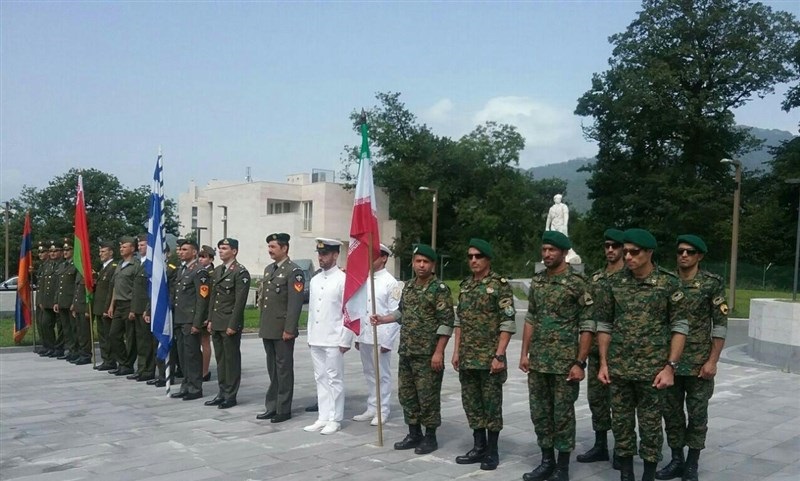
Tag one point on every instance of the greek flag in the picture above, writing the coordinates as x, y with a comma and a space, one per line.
155, 266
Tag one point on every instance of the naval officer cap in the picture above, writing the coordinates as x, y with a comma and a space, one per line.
425, 250
230, 242
641, 238
694, 241
385, 250
280, 237
328, 245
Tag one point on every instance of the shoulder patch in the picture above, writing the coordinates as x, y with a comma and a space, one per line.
505, 302
723, 308
204, 291
442, 286
587, 299
718, 300
441, 305
677, 296
597, 277
503, 280
397, 291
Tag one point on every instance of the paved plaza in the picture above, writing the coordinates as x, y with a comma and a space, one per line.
64, 422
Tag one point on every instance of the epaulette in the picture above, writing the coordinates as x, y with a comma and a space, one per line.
712, 275
577, 274
466, 280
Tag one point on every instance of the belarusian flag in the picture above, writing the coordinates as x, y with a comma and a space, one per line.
363, 227
81, 253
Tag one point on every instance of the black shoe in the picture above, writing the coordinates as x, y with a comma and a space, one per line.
82, 361
312, 409
207, 377
56, 354
492, 458
159, 383
598, 452
152, 382
113, 371
72, 357
690, 467
545, 469
214, 402
228, 403
133, 377
674, 469
45, 353
123, 371
266, 415
279, 418
106, 367
192, 396
428, 444
62, 356
478, 451
412, 439
178, 395
145, 377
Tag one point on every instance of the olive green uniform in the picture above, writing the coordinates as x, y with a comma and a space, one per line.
230, 287
145, 341
190, 309
66, 290
559, 308
426, 313
485, 309
52, 336
83, 324
103, 290
121, 332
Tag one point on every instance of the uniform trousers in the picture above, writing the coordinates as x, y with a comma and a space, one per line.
103, 328
49, 331
695, 392
280, 367
145, 348
385, 365
83, 328
419, 391
482, 398
552, 404
117, 334
329, 376
227, 351
599, 396
68, 328
190, 357
633, 401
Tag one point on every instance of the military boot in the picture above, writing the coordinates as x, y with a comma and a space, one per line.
615, 461
545, 469
690, 470
412, 439
478, 451
492, 458
626, 468
598, 452
428, 443
649, 473
675, 467
561, 473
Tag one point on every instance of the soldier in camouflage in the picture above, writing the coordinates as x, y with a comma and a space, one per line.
426, 318
598, 394
641, 330
694, 379
482, 331
558, 334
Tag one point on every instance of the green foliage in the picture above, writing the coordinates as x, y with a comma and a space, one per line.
663, 112
481, 192
112, 210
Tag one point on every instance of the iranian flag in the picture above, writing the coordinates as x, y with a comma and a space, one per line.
363, 230
81, 251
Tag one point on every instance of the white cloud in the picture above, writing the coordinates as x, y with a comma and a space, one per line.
438, 112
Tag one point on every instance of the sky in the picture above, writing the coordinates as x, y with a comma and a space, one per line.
222, 86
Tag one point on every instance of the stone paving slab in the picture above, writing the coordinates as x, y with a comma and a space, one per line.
64, 422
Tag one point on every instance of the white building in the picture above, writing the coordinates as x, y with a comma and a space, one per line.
306, 207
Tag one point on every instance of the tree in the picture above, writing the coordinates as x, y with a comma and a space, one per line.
481, 191
112, 210
663, 112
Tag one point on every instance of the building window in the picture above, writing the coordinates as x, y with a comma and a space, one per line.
278, 207
194, 217
308, 208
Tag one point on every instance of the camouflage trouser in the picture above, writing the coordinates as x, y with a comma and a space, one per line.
599, 396
419, 391
632, 401
482, 398
552, 402
696, 392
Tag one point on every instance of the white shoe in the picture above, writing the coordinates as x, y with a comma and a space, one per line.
374, 421
365, 416
318, 425
330, 427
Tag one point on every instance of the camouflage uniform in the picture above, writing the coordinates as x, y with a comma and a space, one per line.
559, 307
708, 319
485, 309
598, 394
426, 313
640, 316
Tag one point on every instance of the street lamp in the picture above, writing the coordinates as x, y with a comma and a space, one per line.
435, 212
224, 221
5, 216
735, 233
797, 241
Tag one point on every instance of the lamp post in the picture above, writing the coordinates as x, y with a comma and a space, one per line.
435, 212
224, 221
198, 230
735, 233
5, 217
797, 241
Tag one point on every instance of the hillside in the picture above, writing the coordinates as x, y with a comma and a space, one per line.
577, 196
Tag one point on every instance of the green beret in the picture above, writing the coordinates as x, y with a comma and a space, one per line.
694, 240
483, 246
641, 238
615, 235
228, 241
208, 250
127, 240
191, 242
425, 250
281, 237
557, 239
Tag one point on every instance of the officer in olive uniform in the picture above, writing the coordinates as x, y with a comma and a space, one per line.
66, 290
555, 344
83, 324
140, 305
101, 303
483, 329
41, 267
426, 321
161, 367
641, 330
121, 332
231, 284
52, 337
189, 313
281, 300
694, 379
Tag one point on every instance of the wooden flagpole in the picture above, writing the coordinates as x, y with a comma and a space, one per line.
375, 346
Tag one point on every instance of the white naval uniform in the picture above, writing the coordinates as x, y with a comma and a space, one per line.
326, 333
388, 291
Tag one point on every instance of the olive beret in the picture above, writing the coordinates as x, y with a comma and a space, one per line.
641, 238
425, 250
615, 235
209, 251
191, 242
694, 240
557, 239
127, 240
107, 244
483, 246
228, 241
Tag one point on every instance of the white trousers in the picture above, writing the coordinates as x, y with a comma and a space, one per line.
329, 376
385, 364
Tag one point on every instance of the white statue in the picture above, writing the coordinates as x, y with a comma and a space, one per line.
558, 216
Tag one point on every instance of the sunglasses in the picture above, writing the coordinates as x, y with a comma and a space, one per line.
631, 252
688, 252
612, 245
476, 256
